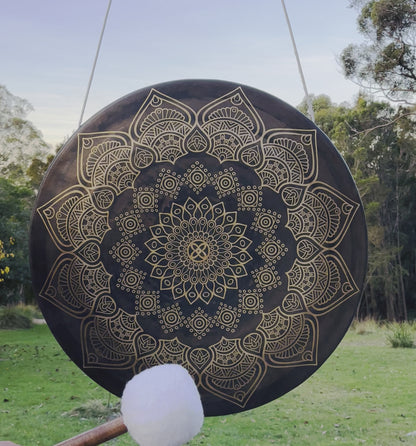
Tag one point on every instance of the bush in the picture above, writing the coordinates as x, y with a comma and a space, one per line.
15, 317
400, 335
31, 311
365, 326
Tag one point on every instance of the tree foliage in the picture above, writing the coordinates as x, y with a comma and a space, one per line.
16, 203
37, 170
386, 61
20, 141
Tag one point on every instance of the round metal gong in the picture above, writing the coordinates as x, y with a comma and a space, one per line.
203, 223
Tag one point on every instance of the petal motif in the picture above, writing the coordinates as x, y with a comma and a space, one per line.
109, 342
162, 124
324, 215
289, 339
231, 123
232, 374
104, 159
72, 219
74, 285
204, 243
324, 282
290, 157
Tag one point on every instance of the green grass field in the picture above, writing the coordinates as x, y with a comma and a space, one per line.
364, 394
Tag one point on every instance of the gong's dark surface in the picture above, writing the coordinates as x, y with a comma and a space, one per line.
201, 223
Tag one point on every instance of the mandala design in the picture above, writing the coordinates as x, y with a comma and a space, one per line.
189, 226
198, 250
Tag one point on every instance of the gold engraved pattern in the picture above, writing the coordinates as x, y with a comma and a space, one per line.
161, 125
272, 249
131, 279
145, 199
147, 303
231, 124
290, 157
199, 323
171, 318
169, 183
199, 250
233, 371
104, 159
129, 223
250, 301
266, 221
72, 219
125, 252
110, 340
226, 183
73, 285
197, 177
289, 339
322, 216
250, 198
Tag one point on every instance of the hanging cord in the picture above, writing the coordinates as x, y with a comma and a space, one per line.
308, 98
94, 64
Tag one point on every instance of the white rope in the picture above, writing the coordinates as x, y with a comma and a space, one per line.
94, 64
308, 98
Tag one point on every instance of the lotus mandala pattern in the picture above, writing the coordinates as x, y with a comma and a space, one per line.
183, 251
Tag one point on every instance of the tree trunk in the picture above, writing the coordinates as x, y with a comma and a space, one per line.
400, 288
388, 290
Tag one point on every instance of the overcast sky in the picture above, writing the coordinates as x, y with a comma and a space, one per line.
47, 49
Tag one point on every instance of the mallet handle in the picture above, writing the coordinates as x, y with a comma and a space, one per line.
98, 435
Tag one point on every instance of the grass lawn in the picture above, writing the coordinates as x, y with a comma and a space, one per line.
364, 394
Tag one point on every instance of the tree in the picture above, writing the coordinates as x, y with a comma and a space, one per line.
386, 62
37, 170
20, 141
379, 144
38, 167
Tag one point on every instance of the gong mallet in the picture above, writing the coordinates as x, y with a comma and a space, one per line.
160, 406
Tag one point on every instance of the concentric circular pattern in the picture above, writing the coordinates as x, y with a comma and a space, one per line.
205, 224
147, 303
225, 183
168, 184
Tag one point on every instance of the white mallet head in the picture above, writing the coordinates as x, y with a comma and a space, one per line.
161, 406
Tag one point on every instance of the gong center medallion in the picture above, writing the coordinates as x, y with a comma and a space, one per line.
198, 251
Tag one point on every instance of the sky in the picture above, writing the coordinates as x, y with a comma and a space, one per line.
47, 48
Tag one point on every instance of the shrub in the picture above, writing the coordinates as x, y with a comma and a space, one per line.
31, 311
15, 317
400, 335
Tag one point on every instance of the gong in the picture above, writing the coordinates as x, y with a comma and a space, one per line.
202, 223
